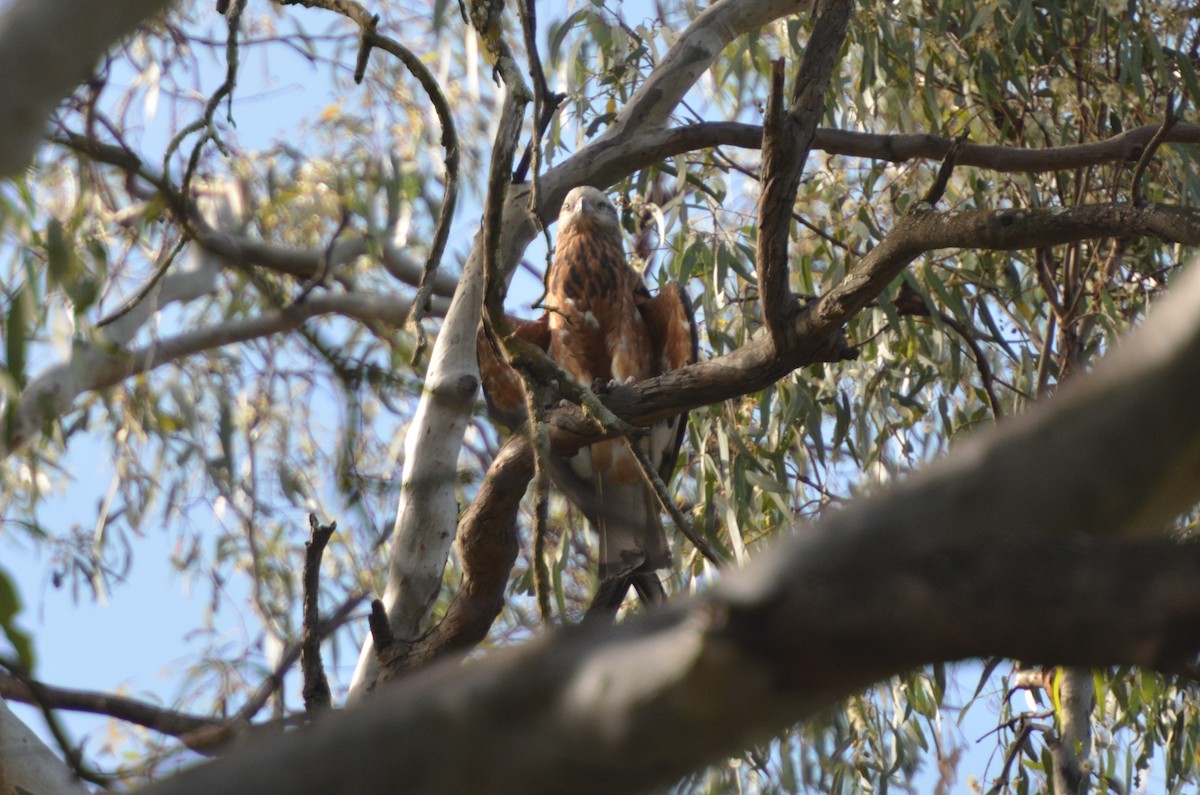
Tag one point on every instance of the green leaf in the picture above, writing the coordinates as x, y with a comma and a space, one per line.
60, 260
14, 336
10, 607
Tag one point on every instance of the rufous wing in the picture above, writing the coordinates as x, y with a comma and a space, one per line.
501, 383
671, 322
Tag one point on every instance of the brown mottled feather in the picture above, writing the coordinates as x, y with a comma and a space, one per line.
603, 325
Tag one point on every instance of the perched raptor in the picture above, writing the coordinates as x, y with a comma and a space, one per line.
603, 325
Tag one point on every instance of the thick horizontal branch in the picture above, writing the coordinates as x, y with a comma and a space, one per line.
1124, 147
758, 364
949, 563
638, 705
607, 161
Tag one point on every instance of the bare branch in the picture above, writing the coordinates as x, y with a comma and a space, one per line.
1135, 182
605, 164
787, 138
656, 484
53, 392
316, 685
142, 713
271, 684
441, 232
691, 55
488, 548
783, 161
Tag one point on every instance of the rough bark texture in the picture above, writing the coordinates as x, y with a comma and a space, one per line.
488, 548
949, 563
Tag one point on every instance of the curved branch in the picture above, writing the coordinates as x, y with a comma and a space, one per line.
758, 364
131, 710
488, 547
52, 393
441, 232
922, 572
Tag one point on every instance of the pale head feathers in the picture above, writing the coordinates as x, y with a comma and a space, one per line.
587, 205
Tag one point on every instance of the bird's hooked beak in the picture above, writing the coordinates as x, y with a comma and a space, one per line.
587, 207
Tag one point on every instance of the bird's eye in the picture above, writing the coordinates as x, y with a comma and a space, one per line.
567, 206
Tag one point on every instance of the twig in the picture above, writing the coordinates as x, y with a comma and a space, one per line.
381, 629
1013, 750
797, 217
1169, 121
441, 232
205, 122
291, 654
371, 38
656, 484
938, 188
135, 300
142, 713
545, 101
910, 302
318, 278
316, 684
539, 437
71, 752
364, 47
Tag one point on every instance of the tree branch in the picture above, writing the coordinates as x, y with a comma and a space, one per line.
428, 511
488, 548
942, 566
130, 710
54, 48
316, 684
787, 138
758, 364
691, 55
239, 251
441, 232
53, 391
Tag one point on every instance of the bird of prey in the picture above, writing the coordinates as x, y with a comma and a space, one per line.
602, 325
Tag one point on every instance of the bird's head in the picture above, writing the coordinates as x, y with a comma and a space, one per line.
587, 206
